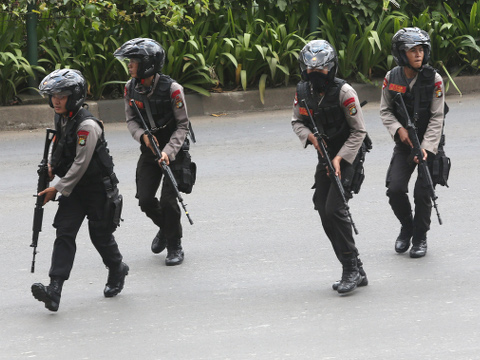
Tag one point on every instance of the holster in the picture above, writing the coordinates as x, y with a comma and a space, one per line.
354, 175
441, 166
114, 203
184, 169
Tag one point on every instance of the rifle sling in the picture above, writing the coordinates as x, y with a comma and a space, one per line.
146, 103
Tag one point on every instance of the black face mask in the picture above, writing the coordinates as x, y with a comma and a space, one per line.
319, 81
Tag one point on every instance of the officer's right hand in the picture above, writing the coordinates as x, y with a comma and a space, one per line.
147, 142
403, 136
314, 142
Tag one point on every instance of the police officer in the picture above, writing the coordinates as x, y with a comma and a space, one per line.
422, 90
161, 101
337, 113
88, 187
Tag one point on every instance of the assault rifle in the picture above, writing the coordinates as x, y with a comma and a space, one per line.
43, 182
331, 170
417, 151
158, 155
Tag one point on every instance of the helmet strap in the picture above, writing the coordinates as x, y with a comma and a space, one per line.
416, 70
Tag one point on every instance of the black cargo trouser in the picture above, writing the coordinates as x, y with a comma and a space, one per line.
165, 213
398, 177
329, 204
84, 201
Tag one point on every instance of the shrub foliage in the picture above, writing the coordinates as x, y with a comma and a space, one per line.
218, 45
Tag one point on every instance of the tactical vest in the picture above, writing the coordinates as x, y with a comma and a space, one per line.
423, 87
65, 149
329, 115
160, 106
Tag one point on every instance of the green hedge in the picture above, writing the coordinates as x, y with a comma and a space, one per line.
212, 48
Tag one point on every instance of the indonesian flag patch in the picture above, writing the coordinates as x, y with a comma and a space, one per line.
82, 137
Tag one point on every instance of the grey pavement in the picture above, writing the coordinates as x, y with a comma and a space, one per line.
256, 281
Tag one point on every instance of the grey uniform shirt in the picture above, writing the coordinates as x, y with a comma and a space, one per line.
432, 136
353, 114
88, 134
177, 99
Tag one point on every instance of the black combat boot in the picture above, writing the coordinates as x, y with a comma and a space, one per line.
175, 254
50, 294
406, 232
419, 248
159, 243
363, 275
351, 276
115, 280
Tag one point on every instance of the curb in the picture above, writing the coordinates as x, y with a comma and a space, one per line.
36, 113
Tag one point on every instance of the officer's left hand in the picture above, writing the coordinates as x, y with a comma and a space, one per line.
164, 158
425, 155
336, 165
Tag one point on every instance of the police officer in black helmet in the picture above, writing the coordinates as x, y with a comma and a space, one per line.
337, 112
421, 87
88, 186
161, 101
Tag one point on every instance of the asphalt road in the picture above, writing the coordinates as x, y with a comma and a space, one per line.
256, 281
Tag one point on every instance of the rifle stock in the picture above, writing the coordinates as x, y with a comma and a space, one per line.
158, 155
417, 152
331, 170
43, 182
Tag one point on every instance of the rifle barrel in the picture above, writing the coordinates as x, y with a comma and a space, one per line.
158, 155
330, 167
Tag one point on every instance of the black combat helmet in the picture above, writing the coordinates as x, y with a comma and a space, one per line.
318, 54
148, 53
407, 38
65, 82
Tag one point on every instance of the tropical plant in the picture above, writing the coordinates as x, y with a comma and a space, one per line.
215, 45
15, 70
14, 73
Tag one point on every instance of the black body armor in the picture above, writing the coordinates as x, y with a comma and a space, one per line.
328, 116
64, 150
423, 89
160, 107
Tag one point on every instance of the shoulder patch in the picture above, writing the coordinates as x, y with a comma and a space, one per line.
295, 100
438, 89
178, 102
398, 88
175, 94
352, 109
82, 137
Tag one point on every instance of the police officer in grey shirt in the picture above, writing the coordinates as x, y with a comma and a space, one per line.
161, 100
337, 112
421, 87
88, 187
